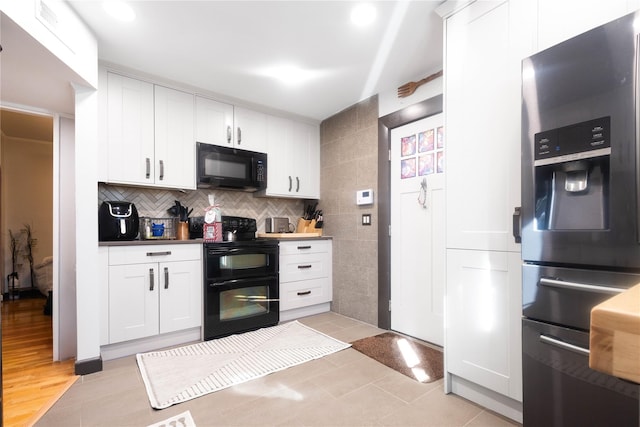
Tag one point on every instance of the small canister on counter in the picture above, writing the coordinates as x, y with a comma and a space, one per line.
212, 227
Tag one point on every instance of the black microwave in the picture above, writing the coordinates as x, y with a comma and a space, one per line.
229, 168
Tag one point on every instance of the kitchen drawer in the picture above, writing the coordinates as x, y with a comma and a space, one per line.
120, 255
304, 293
304, 247
304, 267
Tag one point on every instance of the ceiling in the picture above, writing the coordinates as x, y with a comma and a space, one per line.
223, 48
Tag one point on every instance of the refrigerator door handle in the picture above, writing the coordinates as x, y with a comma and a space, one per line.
555, 283
517, 224
566, 346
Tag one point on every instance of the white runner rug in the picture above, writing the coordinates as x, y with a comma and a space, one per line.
184, 373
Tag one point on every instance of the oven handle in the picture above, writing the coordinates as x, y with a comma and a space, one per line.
555, 283
563, 345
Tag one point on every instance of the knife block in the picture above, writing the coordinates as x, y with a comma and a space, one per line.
308, 226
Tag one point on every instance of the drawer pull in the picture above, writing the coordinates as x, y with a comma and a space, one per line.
304, 293
303, 267
151, 279
304, 247
159, 253
563, 345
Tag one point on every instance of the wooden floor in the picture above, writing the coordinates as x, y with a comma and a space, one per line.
31, 381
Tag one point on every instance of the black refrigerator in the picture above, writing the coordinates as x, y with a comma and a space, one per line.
580, 219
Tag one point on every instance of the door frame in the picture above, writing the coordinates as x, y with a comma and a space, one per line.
418, 111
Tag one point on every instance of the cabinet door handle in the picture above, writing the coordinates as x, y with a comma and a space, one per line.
148, 168
304, 247
290, 183
517, 225
161, 170
158, 253
564, 345
228, 134
297, 184
151, 279
304, 293
239, 135
166, 277
304, 267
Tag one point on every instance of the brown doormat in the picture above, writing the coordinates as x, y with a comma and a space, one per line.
406, 356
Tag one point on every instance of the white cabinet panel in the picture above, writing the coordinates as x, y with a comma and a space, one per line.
150, 134
214, 122
180, 295
175, 147
251, 130
482, 130
305, 277
153, 294
294, 159
133, 301
130, 135
483, 319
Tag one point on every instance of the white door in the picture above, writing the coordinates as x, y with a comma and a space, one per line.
418, 229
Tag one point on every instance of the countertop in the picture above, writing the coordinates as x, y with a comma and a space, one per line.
278, 236
615, 336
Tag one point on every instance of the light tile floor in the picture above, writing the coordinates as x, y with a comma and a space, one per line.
342, 389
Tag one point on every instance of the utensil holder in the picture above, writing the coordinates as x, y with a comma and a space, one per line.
182, 232
308, 226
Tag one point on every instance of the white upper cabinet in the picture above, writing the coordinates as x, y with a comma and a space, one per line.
214, 122
175, 148
250, 130
482, 96
293, 168
150, 134
130, 134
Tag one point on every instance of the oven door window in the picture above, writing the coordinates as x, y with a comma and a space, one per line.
244, 302
244, 262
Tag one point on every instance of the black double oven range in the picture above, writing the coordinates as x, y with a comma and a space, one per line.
240, 280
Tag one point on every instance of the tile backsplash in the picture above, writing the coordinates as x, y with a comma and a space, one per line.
152, 202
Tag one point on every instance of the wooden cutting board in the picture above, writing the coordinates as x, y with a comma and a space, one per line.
615, 336
288, 235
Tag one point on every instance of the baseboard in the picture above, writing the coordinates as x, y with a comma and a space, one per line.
297, 313
89, 366
487, 398
172, 339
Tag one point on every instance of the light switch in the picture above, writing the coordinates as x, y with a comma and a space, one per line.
366, 219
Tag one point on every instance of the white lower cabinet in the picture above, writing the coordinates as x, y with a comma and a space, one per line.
305, 277
484, 346
153, 290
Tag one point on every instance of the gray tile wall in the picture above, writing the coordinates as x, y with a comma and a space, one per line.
154, 203
349, 159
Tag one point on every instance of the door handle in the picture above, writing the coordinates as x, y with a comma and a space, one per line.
563, 345
555, 283
148, 168
158, 253
161, 170
517, 224
166, 277
239, 135
290, 183
151, 279
228, 134
297, 184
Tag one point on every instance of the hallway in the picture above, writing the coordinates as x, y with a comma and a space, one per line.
31, 381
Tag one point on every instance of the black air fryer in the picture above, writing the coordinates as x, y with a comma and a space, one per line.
117, 221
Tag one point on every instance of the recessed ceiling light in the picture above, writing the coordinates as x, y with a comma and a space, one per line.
363, 14
119, 10
289, 74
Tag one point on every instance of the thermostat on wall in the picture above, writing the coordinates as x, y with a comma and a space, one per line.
364, 197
